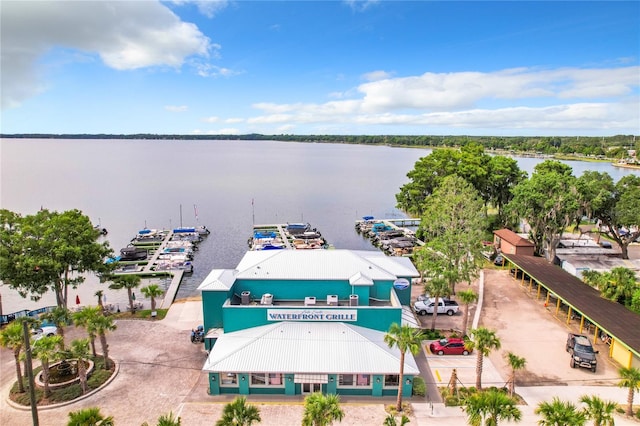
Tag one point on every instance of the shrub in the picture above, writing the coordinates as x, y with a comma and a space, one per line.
451, 401
419, 387
432, 335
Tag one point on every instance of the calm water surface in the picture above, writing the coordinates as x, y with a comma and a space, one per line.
127, 185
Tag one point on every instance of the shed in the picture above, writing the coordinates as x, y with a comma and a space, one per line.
508, 242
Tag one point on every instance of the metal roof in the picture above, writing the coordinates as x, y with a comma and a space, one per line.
513, 238
307, 348
322, 264
219, 279
612, 317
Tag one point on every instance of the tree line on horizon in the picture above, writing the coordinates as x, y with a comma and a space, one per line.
590, 146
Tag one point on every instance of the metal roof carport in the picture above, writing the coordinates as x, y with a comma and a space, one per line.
612, 318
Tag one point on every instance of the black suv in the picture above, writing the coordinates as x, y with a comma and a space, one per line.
581, 351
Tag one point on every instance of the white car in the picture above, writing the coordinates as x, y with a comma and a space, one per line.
45, 330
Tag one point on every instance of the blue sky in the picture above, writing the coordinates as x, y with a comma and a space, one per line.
323, 67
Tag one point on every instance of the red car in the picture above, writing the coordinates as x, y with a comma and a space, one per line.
451, 346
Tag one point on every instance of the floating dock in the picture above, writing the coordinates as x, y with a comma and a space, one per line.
168, 254
286, 236
391, 235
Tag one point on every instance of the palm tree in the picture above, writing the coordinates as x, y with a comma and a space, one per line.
239, 413
89, 417
46, 349
321, 410
99, 295
594, 279
621, 282
483, 341
405, 338
436, 287
152, 291
601, 412
60, 317
467, 297
129, 282
79, 349
516, 363
630, 379
12, 337
488, 407
85, 317
101, 325
391, 420
169, 420
560, 413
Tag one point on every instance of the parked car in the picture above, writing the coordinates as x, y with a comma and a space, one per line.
45, 330
424, 307
450, 346
581, 351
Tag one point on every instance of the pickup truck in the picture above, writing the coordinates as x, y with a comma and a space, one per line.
581, 351
424, 307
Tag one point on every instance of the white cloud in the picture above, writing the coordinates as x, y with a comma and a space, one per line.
377, 75
605, 98
360, 5
447, 91
212, 119
176, 108
209, 70
208, 8
234, 120
125, 35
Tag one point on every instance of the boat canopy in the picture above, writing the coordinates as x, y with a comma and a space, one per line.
259, 234
183, 230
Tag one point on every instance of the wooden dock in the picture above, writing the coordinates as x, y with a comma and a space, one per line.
171, 292
148, 268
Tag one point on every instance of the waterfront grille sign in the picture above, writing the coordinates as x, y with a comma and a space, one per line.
312, 315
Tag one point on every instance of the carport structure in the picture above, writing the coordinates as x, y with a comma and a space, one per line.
598, 316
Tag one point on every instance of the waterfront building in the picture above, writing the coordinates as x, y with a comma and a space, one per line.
298, 321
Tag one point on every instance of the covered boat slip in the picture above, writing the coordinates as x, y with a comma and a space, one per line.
292, 358
599, 316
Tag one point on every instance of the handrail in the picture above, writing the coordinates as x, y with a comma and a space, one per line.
6, 319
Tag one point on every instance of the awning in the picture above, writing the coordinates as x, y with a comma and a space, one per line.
311, 378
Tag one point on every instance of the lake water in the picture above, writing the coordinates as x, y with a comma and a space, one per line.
127, 185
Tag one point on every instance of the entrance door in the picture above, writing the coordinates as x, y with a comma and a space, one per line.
311, 387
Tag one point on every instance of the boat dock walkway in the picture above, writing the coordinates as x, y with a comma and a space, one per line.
171, 292
154, 258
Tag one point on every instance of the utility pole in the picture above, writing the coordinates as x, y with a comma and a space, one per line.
29, 367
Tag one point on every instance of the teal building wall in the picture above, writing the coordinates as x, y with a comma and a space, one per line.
377, 388
237, 317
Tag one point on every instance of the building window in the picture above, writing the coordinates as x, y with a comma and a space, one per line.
354, 380
275, 379
391, 380
228, 379
258, 379
345, 380
363, 379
